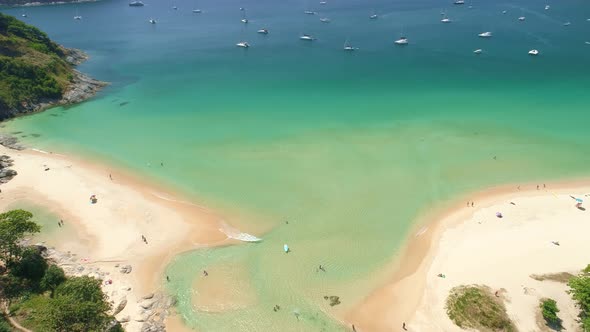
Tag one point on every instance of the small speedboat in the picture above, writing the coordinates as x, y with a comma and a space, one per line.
323, 2
478, 51
243, 44
263, 31
522, 18
77, 17
306, 37
486, 34
136, 4
244, 20
24, 15
401, 41
152, 21
309, 12
446, 20
567, 24
286, 248
547, 7
325, 20
533, 52
504, 11
373, 17
174, 7
587, 43
459, 2
197, 11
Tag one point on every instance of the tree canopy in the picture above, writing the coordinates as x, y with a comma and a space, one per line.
14, 226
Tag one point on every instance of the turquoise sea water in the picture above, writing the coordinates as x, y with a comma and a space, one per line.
349, 148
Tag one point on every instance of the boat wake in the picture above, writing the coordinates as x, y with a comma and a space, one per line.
235, 234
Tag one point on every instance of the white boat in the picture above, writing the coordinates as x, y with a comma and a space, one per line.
522, 18
504, 11
533, 52
243, 44
566, 24
587, 43
306, 37
263, 31
197, 11
547, 7
478, 51
244, 18
348, 47
286, 248
77, 17
445, 19
174, 7
486, 34
459, 2
323, 2
401, 41
309, 12
373, 17
152, 21
24, 15
325, 20
136, 4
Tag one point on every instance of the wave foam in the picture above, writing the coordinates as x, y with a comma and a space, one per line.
236, 234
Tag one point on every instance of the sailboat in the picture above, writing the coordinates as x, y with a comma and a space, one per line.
445, 19
306, 37
244, 19
325, 20
77, 16
373, 16
348, 47
243, 44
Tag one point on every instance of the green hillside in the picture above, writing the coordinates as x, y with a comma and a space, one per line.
33, 68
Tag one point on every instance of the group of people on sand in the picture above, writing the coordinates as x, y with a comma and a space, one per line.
144, 239
60, 223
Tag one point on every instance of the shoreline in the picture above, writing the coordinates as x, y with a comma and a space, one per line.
397, 300
53, 3
110, 231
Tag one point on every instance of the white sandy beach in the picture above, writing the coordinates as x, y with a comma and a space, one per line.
109, 232
473, 246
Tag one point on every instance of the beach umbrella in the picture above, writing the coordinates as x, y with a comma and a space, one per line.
579, 200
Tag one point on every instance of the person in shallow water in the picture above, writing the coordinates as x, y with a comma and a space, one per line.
205, 273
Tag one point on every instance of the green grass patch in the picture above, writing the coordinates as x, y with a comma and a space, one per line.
477, 308
27, 312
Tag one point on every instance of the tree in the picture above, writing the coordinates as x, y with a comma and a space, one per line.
14, 226
31, 266
54, 276
580, 291
549, 311
78, 305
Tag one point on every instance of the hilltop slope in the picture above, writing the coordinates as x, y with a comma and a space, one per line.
36, 73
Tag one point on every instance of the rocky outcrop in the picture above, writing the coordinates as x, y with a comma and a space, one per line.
125, 269
6, 173
10, 142
82, 87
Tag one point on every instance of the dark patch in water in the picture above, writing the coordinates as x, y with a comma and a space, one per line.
56, 115
124, 103
23, 136
36, 135
16, 132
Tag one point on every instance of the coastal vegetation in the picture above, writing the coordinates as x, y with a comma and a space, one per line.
37, 293
580, 292
475, 307
549, 311
34, 70
36, 2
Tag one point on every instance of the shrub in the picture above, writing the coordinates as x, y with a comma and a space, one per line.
476, 307
580, 291
549, 311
